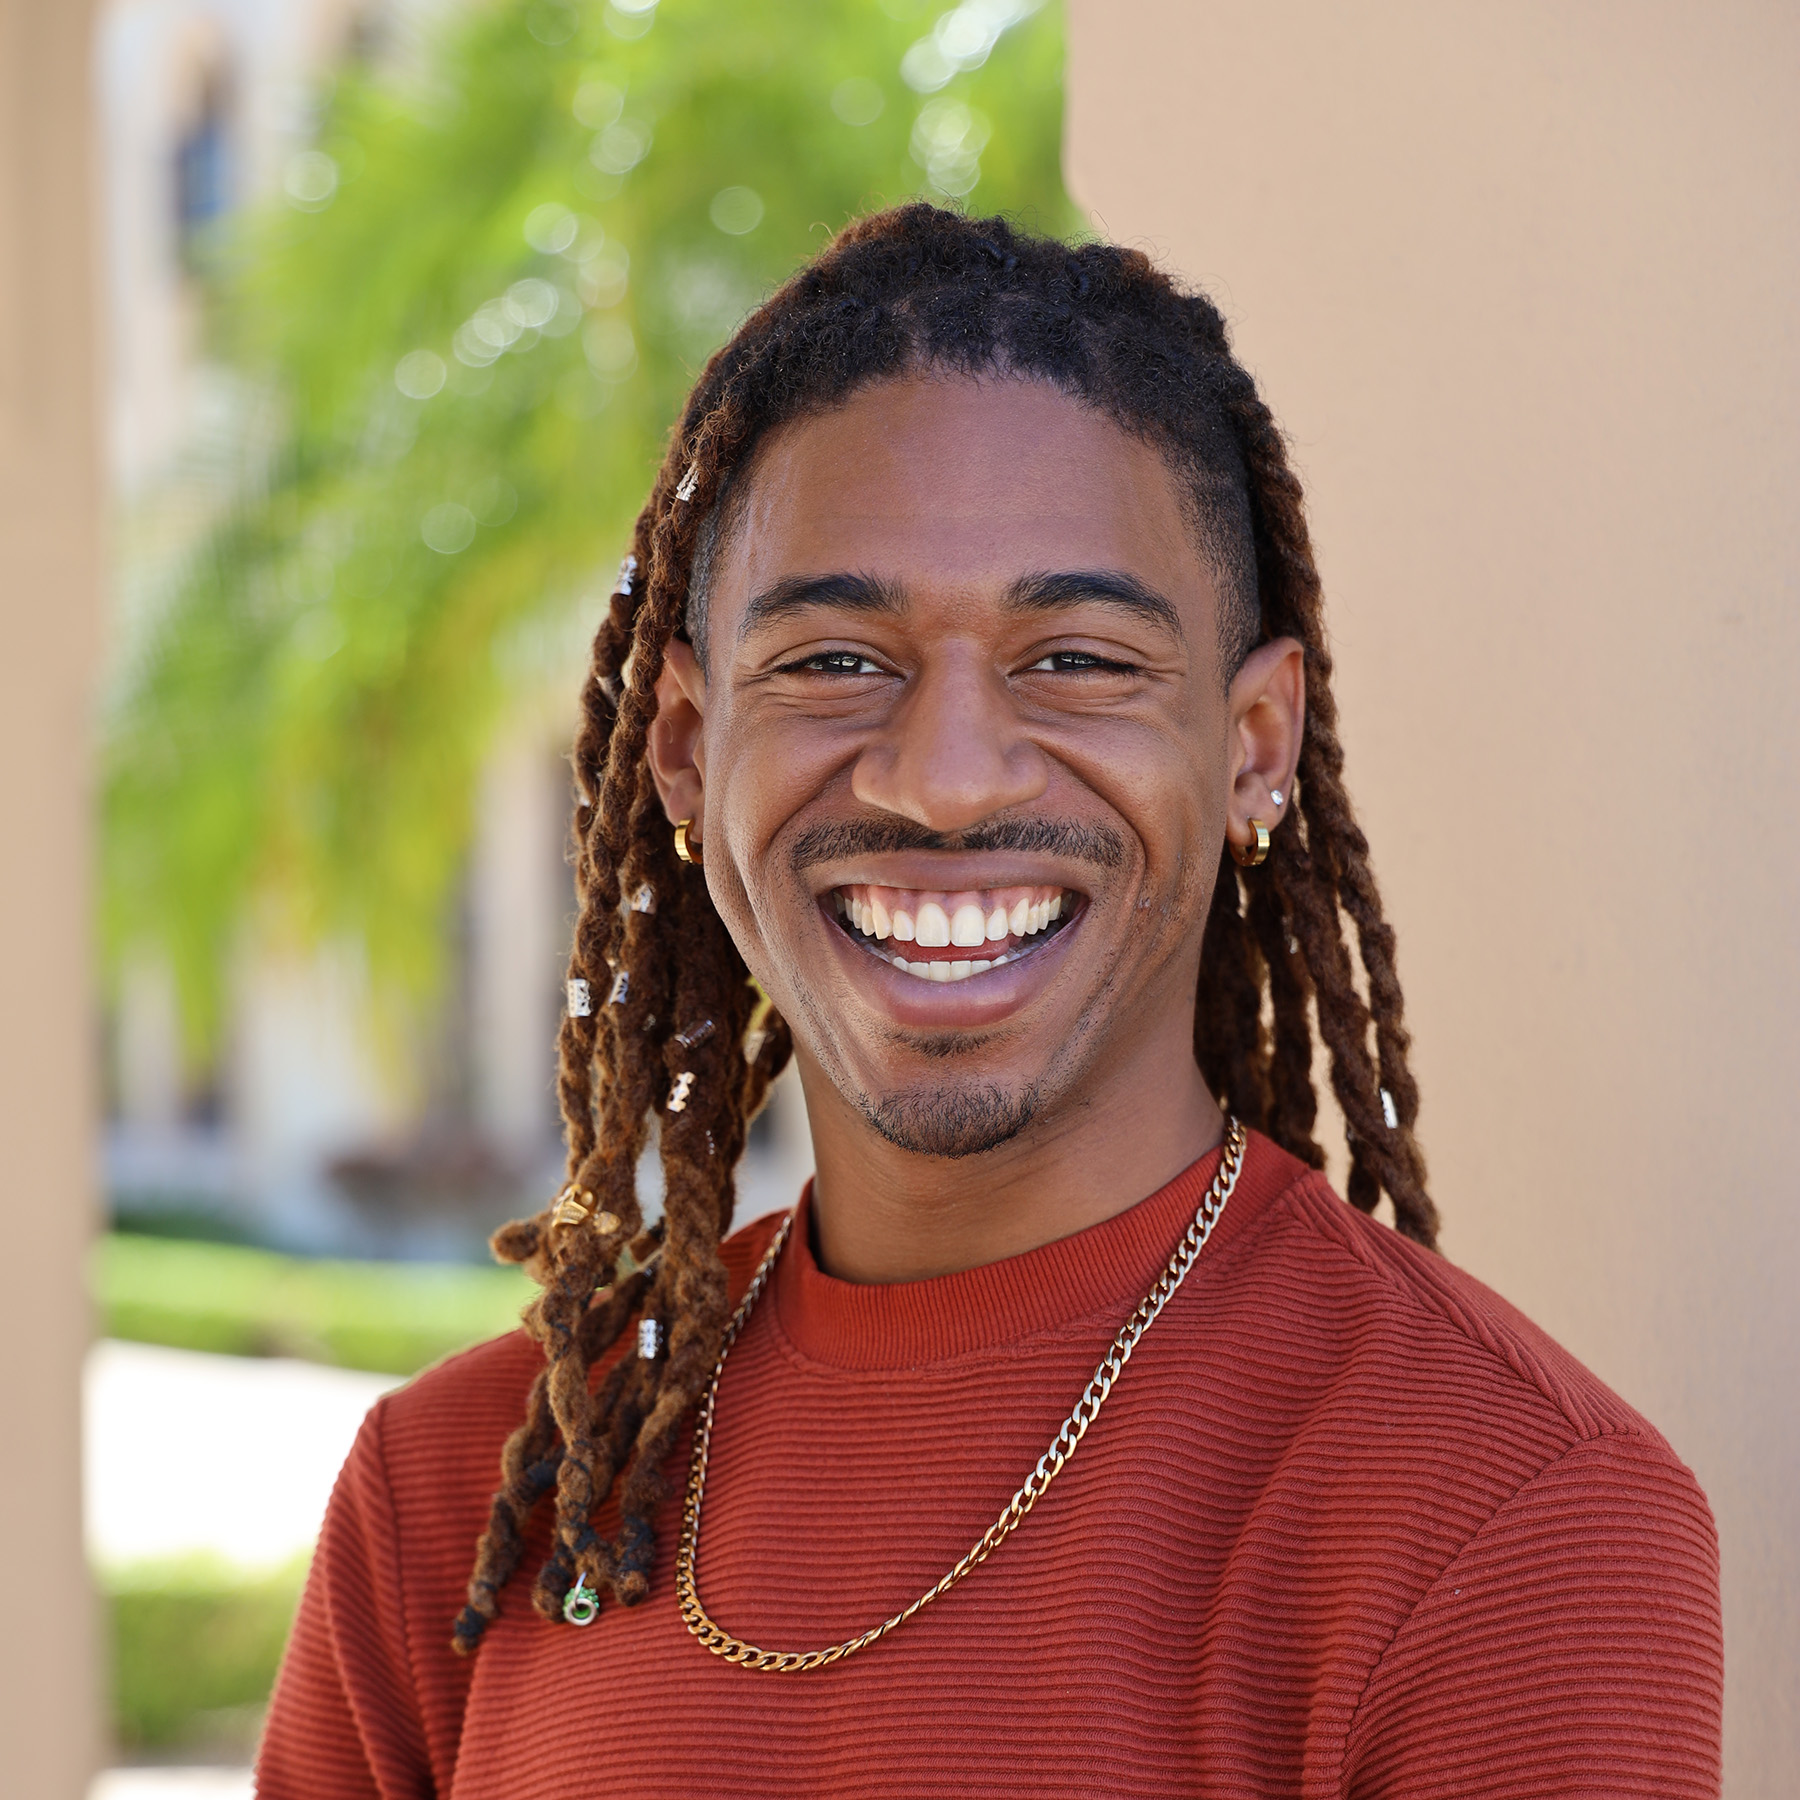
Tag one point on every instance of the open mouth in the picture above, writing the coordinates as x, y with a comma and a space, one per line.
952, 936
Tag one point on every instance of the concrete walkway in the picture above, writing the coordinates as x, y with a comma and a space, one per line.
227, 1456
172, 1784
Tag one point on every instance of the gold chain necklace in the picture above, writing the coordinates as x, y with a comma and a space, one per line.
1074, 1428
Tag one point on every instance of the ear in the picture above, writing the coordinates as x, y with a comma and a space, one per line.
1267, 707
676, 748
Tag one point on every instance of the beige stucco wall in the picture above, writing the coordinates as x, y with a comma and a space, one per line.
49, 563
1521, 284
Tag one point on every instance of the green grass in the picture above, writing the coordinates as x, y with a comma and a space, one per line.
195, 1647
395, 1318
195, 1644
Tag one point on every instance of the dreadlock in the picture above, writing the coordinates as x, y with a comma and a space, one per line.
916, 288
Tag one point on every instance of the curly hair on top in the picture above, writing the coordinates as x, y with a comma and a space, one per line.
912, 289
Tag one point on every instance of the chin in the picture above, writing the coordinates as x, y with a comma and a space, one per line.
965, 1119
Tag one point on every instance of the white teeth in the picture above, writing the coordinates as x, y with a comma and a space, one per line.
934, 927
946, 971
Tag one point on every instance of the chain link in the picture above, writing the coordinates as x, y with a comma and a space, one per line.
1074, 1428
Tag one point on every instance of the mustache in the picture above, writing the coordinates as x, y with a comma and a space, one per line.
1090, 843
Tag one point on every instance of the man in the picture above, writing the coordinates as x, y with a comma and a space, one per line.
968, 689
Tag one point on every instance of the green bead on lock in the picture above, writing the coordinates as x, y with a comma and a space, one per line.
581, 1605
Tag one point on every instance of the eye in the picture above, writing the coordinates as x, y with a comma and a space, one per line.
836, 662
1077, 662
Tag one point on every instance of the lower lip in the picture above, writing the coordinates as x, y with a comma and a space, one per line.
973, 1002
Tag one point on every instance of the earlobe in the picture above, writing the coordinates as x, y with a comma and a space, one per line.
675, 746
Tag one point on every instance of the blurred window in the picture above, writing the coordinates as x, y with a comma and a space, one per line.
203, 165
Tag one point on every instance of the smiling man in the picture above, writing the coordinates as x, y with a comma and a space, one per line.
962, 728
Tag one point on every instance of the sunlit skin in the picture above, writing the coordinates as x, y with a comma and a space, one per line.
943, 688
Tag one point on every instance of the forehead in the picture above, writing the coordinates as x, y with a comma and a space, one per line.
935, 481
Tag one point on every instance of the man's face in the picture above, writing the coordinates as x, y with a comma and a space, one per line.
965, 750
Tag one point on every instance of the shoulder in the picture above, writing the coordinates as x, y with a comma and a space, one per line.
1402, 1384
1490, 1500
1455, 1328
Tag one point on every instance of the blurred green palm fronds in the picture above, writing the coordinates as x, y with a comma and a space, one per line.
455, 349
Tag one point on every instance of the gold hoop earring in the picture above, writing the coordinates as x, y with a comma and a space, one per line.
685, 847
1249, 856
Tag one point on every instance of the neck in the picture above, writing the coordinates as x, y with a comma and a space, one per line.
886, 1214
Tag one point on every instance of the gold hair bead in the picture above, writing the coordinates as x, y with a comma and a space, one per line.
572, 1206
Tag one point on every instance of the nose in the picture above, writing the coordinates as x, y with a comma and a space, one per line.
952, 752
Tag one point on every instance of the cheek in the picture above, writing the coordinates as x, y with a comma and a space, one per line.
1168, 786
750, 795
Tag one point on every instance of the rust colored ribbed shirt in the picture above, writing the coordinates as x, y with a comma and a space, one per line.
1349, 1525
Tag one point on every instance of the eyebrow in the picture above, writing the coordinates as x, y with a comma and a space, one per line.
1089, 587
802, 593
1036, 593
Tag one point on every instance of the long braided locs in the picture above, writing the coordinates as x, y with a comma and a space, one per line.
914, 289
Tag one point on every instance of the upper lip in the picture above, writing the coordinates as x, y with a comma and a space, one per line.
947, 872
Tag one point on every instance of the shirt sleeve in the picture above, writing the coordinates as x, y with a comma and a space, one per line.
1571, 1648
345, 1719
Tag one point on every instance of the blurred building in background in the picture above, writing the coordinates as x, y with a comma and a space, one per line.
308, 1131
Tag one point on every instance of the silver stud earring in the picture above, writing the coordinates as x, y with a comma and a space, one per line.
581, 999
1276, 795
